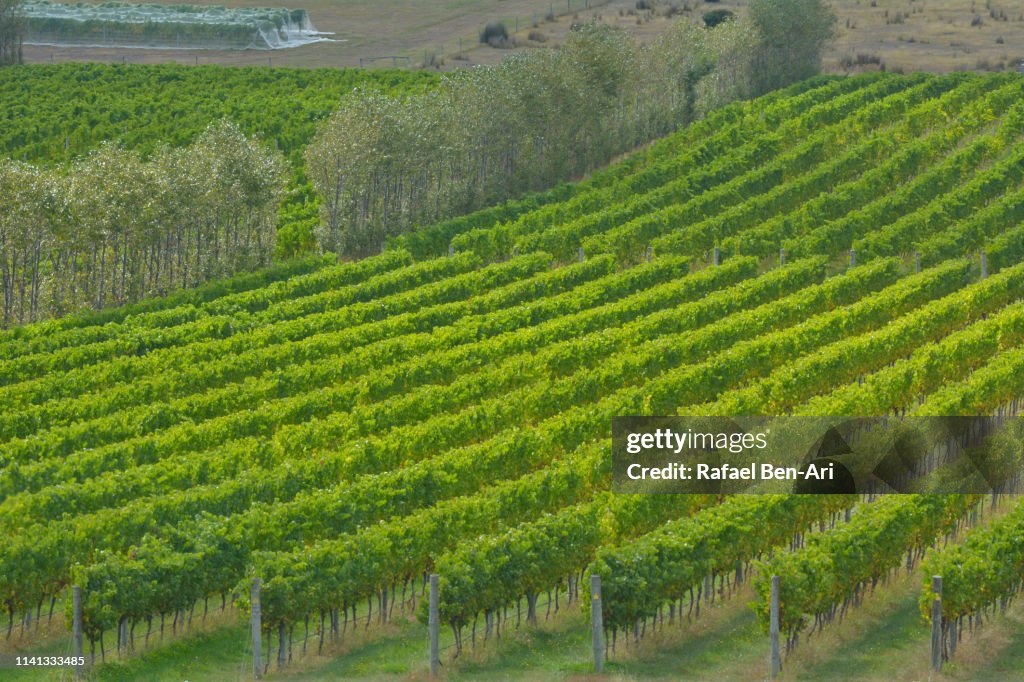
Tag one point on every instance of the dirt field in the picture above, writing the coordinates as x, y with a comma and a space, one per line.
932, 35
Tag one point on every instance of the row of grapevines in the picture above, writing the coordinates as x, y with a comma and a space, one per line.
317, 434
993, 183
984, 227
816, 580
803, 148
349, 568
452, 275
995, 384
452, 278
905, 160
252, 291
856, 355
488, 573
639, 576
986, 569
166, 310
939, 179
302, 376
614, 205
472, 341
643, 395
114, 529
908, 380
639, 172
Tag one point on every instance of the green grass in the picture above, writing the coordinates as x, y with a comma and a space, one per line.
885, 639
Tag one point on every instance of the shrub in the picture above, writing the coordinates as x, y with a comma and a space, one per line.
716, 17
494, 34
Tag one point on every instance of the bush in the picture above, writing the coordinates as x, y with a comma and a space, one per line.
716, 17
537, 36
494, 34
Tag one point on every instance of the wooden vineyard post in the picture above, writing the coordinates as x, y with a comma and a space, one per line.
580, 255
451, 249
597, 622
76, 628
782, 256
853, 258
984, 265
257, 630
650, 253
434, 625
716, 256
917, 261
937, 623
776, 655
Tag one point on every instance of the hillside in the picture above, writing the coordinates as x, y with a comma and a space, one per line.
445, 406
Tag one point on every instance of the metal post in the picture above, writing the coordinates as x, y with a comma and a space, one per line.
716, 256
581, 256
917, 261
853, 258
776, 657
434, 625
984, 265
76, 628
451, 249
782, 256
937, 623
650, 253
597, 622
257, 630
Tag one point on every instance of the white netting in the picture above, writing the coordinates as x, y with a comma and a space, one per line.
115, 24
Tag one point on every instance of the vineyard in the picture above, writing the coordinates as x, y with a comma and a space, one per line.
324, 436
52, 115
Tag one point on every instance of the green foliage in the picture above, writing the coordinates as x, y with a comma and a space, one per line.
340, 428
983, 571
12, 31
793, 35
60, 112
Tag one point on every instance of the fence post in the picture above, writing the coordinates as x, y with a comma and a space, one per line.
580, 255
937, 623
257, 630
853, 258
597, 622
451, 249
650, 253
776, 657
434, 625
917, 261
782, 256
984, 265
716, 256
76, 628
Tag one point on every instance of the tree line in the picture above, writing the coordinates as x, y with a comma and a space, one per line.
12, 32
386, 163
112, 228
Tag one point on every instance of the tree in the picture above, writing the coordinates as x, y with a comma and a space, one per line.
793, 37
12, 31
